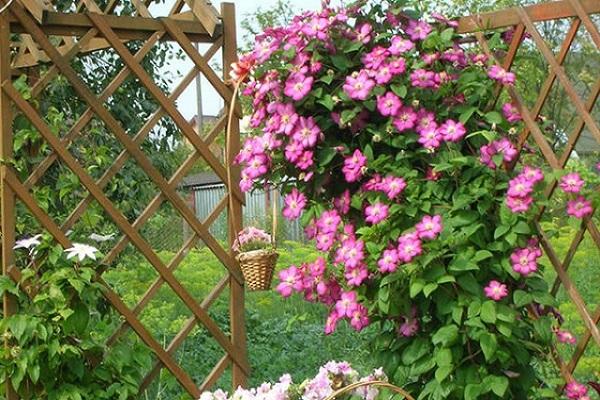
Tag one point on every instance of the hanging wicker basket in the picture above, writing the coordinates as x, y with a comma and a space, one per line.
257, 267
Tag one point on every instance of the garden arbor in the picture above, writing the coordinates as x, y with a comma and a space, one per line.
35, 36
37, 40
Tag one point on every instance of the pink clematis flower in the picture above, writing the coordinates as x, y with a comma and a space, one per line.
257, 166
579, 208
294, 203
409, 327
405, 119
359, 318
287, 118
376, 213
418, 30
429, 227
533, 174
358, 85
511, 113
575, 390
363, 33
347, 303
501, 75
388, 261
571, 183
342, 203
298, 86
518, 204
430, 139
399, 45
393, 186
409, 246
290, 280
307, 132
389, 104
423, 79
452, 131
331, 323
355, 276
496, 290
329, 221
354, 166
565, 337
524, 261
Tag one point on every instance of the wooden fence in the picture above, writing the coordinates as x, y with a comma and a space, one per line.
53, 39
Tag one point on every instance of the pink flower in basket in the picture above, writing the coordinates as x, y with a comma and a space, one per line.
251, 238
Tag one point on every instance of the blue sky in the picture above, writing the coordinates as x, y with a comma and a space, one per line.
211, 102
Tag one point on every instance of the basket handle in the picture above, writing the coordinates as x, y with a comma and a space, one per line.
274, 210
379, 383
229, 163
228, 160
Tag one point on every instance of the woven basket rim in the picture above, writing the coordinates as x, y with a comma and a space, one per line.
258, 252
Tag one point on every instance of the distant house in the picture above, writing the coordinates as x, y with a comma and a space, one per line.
206, 190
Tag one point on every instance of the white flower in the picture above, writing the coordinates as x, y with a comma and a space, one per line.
101, 238
29, 243
81, 251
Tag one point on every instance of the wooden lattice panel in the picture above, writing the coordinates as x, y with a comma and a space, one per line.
523, 21
90, 28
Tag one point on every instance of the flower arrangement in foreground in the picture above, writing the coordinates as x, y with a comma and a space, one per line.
378, 127
331, 377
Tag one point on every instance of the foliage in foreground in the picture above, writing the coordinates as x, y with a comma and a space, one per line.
56, 343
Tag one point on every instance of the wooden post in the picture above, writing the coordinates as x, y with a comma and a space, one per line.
7, 196
236, 300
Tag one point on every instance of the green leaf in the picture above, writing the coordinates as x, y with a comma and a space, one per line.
78, 321
443, 357
488, 312
472, 391
447, 34
522, 227
327, 101
429, 288
325, 156
489, 344
34, 372
442, 372
482, 255
416, 287
466, 114
399, 90
414, 351
341, 62
521, 298
493, 117
499, 385
501, 230
446, 335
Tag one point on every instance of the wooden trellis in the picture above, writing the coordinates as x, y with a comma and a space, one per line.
523, 21
53, 38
